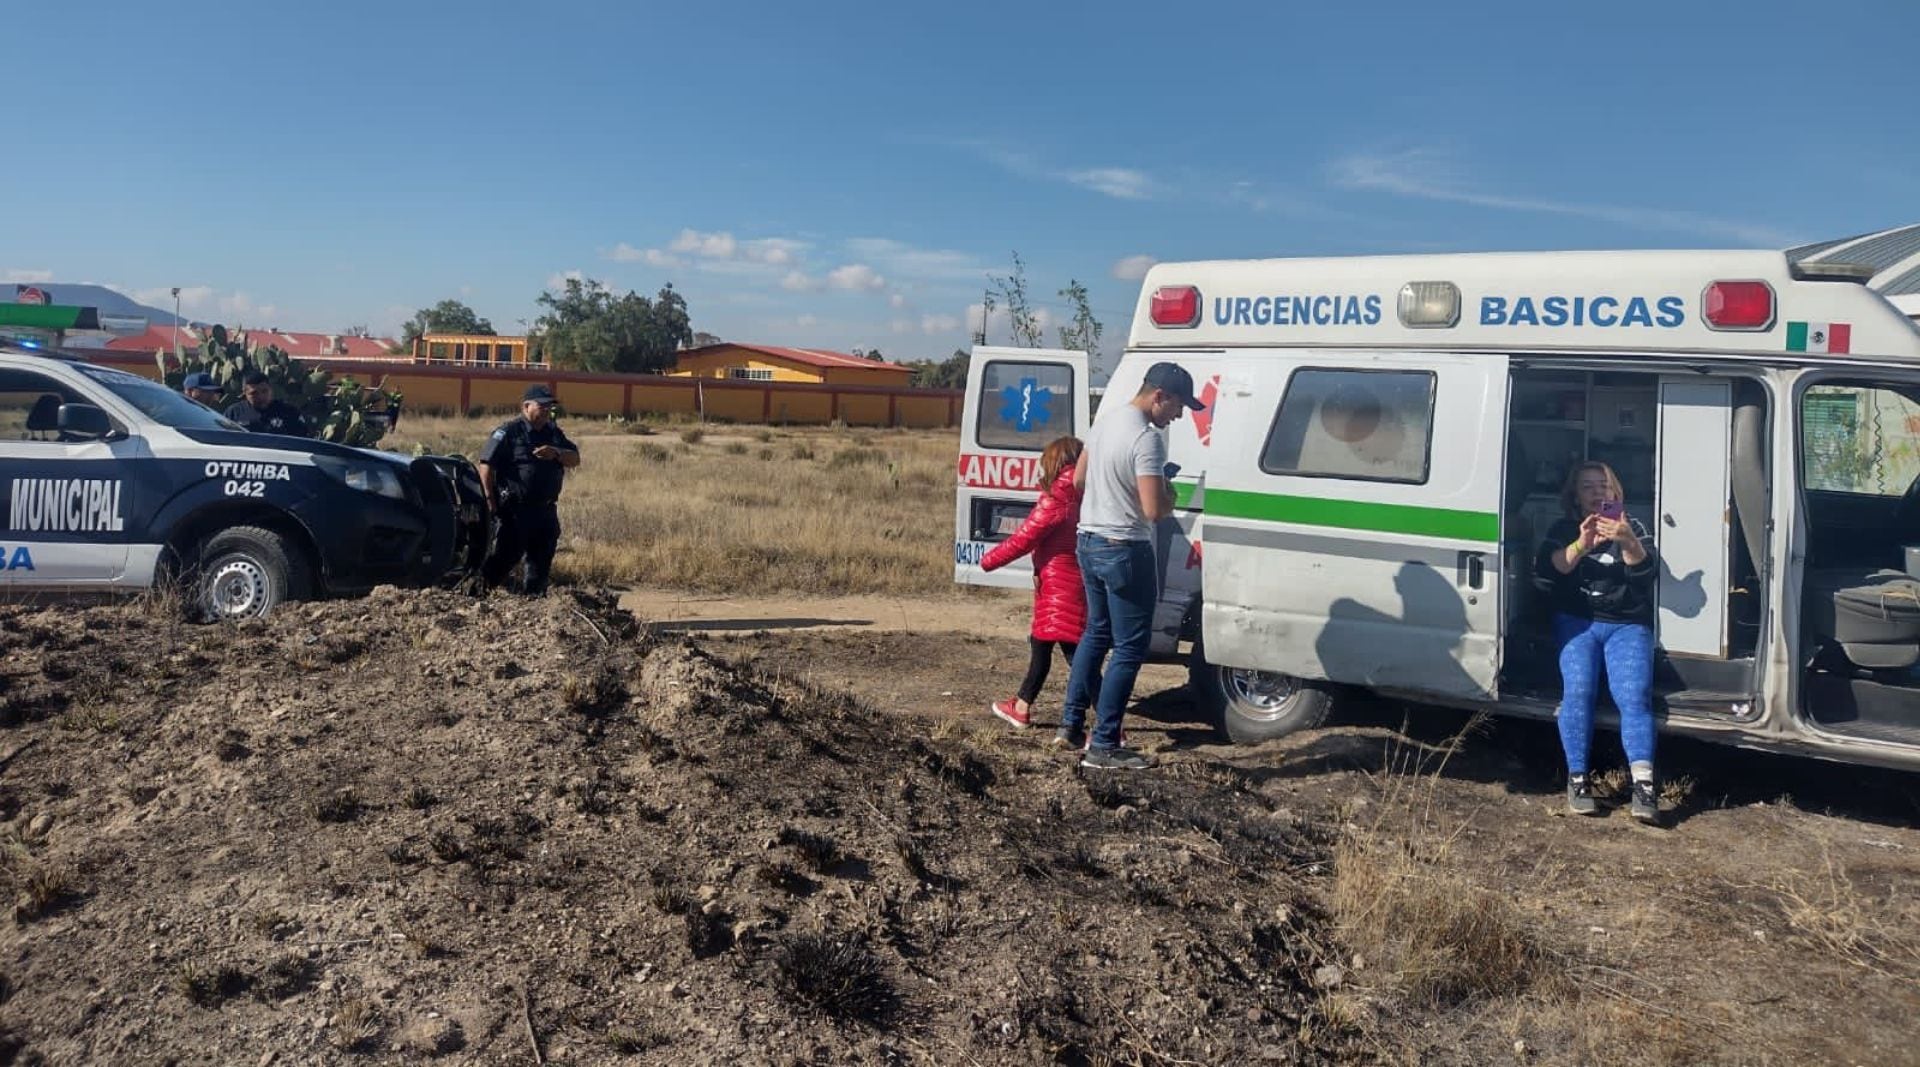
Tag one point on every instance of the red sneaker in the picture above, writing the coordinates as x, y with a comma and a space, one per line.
1008, 711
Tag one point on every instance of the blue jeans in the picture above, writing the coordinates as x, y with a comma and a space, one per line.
1121, 590
1627, 650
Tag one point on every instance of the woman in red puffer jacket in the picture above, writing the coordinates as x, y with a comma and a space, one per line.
1059, 598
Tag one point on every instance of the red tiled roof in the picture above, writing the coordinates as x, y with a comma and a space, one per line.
298, 345
154, 339
813, 357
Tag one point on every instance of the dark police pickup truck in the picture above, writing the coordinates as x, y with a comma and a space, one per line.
116, 484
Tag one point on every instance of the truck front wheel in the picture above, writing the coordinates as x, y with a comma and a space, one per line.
246, 571
1253, 706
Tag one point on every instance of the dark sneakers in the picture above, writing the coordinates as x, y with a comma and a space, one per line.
1645, 806
1580, 795
1071, 738
1115, 759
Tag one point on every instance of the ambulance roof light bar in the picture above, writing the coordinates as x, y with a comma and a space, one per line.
1740, 306
1824, 271
1175, 307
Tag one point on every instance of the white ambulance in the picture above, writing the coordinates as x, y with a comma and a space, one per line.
1383, 451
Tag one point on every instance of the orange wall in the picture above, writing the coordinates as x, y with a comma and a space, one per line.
449, 390
716, 364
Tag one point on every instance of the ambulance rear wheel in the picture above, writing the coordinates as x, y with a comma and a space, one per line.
1253, 706
245, 572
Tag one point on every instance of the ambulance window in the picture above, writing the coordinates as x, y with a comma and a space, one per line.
1859, 439
29, 403
1370, 426
1024, 406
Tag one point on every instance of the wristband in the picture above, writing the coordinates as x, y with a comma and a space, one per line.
1577, 550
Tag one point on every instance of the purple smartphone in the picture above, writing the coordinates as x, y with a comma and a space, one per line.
1612, 510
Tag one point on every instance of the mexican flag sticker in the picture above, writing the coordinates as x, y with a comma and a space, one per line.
1818, 337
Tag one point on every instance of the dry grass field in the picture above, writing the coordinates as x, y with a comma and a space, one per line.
723, 508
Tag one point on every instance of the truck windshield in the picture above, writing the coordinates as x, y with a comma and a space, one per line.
158, 402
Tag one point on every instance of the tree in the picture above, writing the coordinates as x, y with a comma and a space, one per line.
586, 327
448, 316
1083, 333
1020, 315
869, 353
949, 373
702, 339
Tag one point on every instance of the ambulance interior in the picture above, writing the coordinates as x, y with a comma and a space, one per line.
1859, 454
1693, 503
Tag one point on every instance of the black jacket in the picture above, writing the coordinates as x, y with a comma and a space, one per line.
519, 476
1602, 587
280, 417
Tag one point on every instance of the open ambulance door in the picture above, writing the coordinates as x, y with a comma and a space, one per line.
1017, 400
1354, 523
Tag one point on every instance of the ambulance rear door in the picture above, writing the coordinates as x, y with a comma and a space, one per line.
1017, 400
1353, 521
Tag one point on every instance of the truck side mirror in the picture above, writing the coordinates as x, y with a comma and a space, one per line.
84, 421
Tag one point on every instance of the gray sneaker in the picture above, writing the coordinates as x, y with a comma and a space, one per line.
1071, 738
1645, 806
1115, 759
1580, 795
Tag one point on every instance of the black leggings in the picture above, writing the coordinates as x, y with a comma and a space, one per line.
1039, 661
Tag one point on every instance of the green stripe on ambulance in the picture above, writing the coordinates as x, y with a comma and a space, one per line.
1446, 523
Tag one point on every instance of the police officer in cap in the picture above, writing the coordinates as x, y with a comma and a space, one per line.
521, 467
201, 388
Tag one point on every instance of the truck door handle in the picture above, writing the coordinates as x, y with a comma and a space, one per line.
1473, 570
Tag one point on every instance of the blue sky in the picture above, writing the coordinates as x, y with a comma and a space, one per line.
842, 174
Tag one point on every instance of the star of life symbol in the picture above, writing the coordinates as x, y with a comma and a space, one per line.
1025, 404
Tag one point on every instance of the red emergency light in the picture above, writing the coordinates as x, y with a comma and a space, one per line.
1738, 306
1176, 306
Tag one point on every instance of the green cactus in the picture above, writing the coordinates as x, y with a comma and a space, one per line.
336, 410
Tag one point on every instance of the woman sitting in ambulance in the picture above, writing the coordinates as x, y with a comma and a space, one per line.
1601, 566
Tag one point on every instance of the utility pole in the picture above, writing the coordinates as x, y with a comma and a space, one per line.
986, 309
176, 324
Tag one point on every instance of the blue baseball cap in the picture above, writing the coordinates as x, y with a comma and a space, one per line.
200, 380
1173, 378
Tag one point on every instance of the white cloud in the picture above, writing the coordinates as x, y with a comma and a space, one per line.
626, 253
896, 300
192, 298
1133, 268
999, 326
559, 280
907, 261
723, 247
1426, 174
901, 326
941, 323
706, 245
806, 320
205, 302
799, 282
773, 251
29, 277
241, 306
856, 276
1121, 183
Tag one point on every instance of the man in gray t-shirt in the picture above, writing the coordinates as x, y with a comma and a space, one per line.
1124, 480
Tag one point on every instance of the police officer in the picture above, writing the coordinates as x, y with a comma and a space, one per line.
261, 413
201, 389
521, 467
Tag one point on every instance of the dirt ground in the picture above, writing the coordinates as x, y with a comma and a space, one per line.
424, 828
1776, 921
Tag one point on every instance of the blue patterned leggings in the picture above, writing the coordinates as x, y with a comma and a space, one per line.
1627, 649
